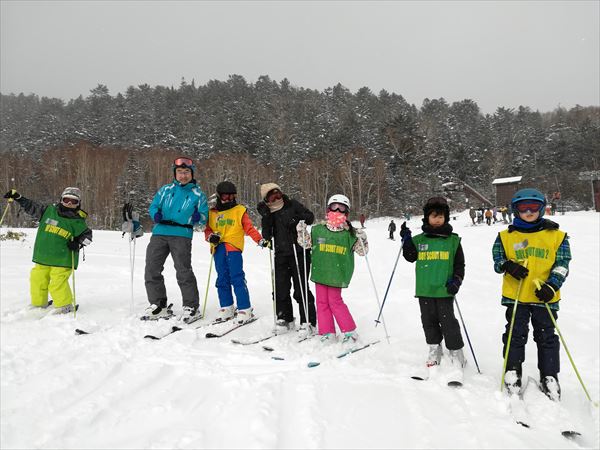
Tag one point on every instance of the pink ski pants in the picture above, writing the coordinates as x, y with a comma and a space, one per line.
330, 305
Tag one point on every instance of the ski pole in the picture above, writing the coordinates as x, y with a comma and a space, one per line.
538, 285
510, 330
212, 258
10, 200
73, 274
304, 302
387, 336
389, 284
307, 315
273, 284
131, 263
466, 333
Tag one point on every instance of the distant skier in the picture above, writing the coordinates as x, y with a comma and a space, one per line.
62, 232
488, 216
440, 269
392, 230
362, 220
333, 246
472, 214
534, 255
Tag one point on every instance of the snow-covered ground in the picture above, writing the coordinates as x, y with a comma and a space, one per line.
115, 389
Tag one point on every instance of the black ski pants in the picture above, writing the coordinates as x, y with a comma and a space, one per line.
286, 273
437, 317
548, 345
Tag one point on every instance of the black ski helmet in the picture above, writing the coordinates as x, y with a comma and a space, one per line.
226, 187
438, 204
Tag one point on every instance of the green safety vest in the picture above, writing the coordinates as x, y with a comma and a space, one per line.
332, 256
435, 264
54, 231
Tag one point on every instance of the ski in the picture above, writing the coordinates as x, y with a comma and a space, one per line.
516, 404
345, 353
254, 341
426, 374
567, 429
184, 326
229, 330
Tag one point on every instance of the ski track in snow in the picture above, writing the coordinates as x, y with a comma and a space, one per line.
115, 389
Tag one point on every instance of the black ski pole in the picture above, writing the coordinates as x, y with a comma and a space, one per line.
466, 333
389, 284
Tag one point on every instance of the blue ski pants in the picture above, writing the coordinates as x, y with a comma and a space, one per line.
230, 273
548, 345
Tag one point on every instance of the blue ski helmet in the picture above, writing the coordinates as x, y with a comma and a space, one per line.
528, 194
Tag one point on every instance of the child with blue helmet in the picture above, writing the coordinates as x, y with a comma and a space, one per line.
533, 254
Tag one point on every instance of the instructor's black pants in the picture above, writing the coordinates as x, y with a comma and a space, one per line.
286, 273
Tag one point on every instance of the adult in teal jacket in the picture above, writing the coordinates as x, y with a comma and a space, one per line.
176, 208
62, 231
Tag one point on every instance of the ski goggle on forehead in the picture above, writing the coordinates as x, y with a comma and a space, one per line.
525, 206
339, 207
183, 162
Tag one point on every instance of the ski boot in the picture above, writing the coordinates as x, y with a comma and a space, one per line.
155, 312
435, 355
512, 382
243, 316
550, 386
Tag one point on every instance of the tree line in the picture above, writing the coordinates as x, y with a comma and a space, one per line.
385, 154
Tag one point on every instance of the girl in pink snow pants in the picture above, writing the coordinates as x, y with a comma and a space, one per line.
333, 246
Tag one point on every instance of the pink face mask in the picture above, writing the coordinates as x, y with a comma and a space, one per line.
336, 219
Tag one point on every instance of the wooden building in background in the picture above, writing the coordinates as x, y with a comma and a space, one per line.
505, 188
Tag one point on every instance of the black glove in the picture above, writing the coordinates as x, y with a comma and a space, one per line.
545, 293
515, 270
158, 217
214, 239
12, 194
265, 243
263, 209
453, 285
73, 245
127, 212
405, 232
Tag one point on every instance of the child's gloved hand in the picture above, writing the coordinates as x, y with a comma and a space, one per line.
453, 285
545, 292
158, 217
405, 232
73, 245
214, 239
12, 195
516, 270
264, 243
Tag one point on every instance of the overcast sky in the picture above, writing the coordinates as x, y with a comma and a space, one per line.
539, 54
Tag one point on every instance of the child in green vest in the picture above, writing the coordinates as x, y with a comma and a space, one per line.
333, 246
440, 269
61, 233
